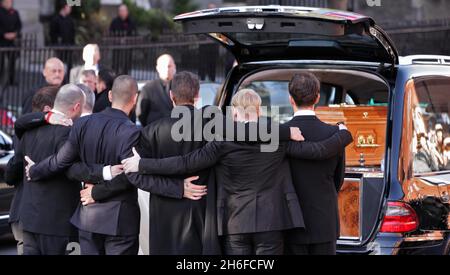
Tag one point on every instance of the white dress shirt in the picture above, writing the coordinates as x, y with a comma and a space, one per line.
305, 113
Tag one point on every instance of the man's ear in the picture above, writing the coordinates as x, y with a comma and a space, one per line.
47, 109
292, 101
197, 98
172, 98
110, 96
317, 99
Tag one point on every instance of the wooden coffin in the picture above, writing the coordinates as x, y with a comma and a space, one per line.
368, 127
349, 202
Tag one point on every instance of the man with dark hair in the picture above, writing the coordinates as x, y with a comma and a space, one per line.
105, 82
177, 226
62, 33
122, 26
43, 101
62, 26
316, 182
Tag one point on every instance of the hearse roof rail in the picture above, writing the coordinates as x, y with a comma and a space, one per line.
425, 60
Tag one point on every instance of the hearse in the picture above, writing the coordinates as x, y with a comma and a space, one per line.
395, 197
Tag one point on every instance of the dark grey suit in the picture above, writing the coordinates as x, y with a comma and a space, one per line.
154, 102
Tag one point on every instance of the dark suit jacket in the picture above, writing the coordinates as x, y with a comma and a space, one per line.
101, 101
14, 177
154, 102
255, 188
62, 30
47, 205
177, 226
106, 138
317, 184
9, 22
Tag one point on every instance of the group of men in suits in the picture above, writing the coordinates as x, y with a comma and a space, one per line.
257, 209
231, 198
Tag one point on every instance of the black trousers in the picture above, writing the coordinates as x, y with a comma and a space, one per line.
8, 66
263, 243
328, 248
40, 244
99, 244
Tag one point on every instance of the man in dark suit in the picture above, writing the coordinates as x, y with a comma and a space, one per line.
122, 25
10, 27
111, 225
47, 205
316, 182
53, 76
62, 33
256, 199
105, 80
43, 101
154, 100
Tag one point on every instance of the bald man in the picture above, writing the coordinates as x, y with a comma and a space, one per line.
53, 73
111, 225
154, 101
47, 205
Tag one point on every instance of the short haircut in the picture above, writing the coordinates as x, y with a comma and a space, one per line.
304, 88
185, 87
245, 98
124, 89
44, 97
68, 96
90, 97
107, 76
88, 73
61, 4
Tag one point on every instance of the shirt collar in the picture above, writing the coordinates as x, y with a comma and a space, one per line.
57, 112
85, 114
305, 113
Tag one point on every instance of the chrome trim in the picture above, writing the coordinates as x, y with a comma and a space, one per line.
309, 12
332, 62
438, 59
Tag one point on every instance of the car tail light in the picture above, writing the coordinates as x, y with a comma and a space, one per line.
399, 218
